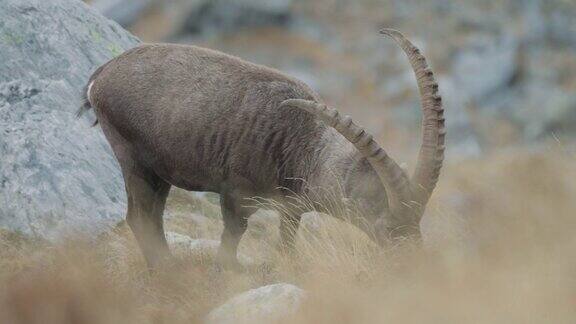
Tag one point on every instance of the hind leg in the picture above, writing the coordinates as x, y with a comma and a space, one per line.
146, 196
235, 217
146, 200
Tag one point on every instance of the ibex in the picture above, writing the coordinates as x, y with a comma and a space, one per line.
202, 120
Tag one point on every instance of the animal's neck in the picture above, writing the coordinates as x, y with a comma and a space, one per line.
339, 161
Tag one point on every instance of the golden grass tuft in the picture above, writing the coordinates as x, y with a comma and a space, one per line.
500, 248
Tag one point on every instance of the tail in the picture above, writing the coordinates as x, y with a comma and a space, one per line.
86, 105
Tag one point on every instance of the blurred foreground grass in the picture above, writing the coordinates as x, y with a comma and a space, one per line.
500, 248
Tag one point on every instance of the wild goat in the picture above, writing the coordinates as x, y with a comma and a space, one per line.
202, 120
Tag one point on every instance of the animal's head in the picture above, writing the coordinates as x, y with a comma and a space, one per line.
403, 198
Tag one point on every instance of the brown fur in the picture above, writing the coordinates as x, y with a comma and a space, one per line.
206, 121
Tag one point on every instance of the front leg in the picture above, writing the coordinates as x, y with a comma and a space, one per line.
235, 217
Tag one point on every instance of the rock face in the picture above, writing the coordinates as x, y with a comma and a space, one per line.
267, 304
56, 173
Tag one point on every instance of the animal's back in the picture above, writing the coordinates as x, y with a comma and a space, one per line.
202, 119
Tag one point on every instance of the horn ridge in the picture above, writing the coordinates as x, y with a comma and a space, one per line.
431, 155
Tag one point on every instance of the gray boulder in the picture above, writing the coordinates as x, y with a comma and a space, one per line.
267, 304
57, 174
229, 15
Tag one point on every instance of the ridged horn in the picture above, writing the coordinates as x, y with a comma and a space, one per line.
394, 179
431, 154
407, 197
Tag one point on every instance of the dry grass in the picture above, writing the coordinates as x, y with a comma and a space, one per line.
500, 248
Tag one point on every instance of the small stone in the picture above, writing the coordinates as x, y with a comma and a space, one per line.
267, 304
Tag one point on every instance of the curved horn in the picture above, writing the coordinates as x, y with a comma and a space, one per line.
431, 154
402, 193
392, 176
